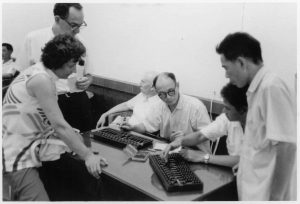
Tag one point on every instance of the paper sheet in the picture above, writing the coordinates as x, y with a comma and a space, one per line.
162, 146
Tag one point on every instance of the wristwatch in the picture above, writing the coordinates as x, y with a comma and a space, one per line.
206, 158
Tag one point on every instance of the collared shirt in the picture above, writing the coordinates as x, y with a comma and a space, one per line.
189, 116
9, 67
24, 121
141, 106
222, 126
271, 118
31, 52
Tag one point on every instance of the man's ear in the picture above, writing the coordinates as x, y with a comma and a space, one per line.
242, 61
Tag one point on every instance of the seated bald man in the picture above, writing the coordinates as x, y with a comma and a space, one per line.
177, 116
140, 104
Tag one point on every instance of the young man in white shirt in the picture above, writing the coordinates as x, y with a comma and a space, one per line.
268, 157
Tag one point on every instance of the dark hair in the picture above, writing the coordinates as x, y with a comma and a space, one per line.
60, 50
8, 46
235, 96
167, 74
62, 9
240, 44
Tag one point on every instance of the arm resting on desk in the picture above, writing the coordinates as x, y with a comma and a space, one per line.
118, 108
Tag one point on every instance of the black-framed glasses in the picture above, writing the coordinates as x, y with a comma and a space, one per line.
163, 94
75, 26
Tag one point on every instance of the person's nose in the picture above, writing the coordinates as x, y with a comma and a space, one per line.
226, 74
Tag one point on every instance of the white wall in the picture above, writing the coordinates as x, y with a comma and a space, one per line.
20, 18
124, 40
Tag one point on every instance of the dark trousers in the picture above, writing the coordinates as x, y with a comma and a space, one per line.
67, 179
76, 109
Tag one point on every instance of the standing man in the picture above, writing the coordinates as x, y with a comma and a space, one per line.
75, 107
75, 104
268, 159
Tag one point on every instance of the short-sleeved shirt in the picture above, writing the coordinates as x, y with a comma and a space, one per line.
9, 67
190, 115
31, 52
222, 126
271, 118
141, 106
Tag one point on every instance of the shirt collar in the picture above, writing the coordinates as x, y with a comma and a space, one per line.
8, 62
180, 102
257, 79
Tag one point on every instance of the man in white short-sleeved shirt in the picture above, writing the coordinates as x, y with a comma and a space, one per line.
268, 157
140, 104
178, 115
73, 99
222, 126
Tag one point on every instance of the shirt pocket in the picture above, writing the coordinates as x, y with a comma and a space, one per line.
256, 134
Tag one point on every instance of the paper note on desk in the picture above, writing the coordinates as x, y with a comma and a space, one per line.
162, 146
159, 146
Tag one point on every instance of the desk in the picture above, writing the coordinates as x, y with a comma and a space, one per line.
142, 182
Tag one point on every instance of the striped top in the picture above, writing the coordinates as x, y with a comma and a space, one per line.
23, 121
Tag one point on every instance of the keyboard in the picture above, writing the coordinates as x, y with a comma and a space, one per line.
120, 139
175, 175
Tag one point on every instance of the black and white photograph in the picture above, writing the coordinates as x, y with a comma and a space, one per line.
163, 100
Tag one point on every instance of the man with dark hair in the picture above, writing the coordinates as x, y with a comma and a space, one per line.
268, 157
231, 123
31, 114
177, 116
74, 102
9, 67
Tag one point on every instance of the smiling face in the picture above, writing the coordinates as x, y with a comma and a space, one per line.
235, 71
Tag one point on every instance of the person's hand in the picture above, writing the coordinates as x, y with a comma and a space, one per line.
93, 164
192, 155
173, 145
127, 126
83, 82
176, 135
101, 120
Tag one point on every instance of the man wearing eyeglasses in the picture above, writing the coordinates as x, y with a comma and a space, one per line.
177, 116
72, 97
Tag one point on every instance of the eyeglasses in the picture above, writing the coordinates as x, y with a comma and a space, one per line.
163, 95
75, 26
